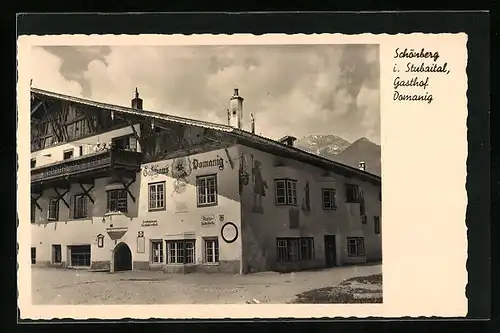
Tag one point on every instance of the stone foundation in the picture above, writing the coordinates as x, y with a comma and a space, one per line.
98, 265
299, 265
140, 265
230, 267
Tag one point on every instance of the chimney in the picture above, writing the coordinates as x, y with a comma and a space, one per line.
287, 140
362, 166
253, 122
235, 115
137, 101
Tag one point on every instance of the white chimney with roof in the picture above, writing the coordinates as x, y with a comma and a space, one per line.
235, 114
362, 165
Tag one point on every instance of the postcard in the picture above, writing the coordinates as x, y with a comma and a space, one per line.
242, 176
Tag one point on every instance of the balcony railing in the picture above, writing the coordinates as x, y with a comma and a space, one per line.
87, 163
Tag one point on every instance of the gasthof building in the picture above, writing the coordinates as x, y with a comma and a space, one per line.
117, 188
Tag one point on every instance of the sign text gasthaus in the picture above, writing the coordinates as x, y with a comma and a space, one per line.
155, 170
216, 162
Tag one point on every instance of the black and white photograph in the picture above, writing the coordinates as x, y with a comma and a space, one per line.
206, 174
242, 176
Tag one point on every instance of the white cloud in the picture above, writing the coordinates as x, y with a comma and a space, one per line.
45, 73
291, 90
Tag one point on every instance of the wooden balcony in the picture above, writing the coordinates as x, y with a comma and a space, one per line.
95, 165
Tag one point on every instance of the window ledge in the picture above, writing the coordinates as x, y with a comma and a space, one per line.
180, 265
211, 263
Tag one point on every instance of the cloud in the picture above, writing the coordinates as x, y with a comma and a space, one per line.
46, 73
292, 90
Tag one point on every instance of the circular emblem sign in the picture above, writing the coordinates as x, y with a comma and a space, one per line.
229, 232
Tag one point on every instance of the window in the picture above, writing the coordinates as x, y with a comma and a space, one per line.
355, 246
211, 250
33, 163
207, 190
53, 211
68, 154
117, 200
80, 206
157, 252
363, 218
295, 249
307, 248
352, 193
376, 224
157, 196
180, 252
56, 254
80, 151
329, 202
33, 255
125, 143
80, 255
379, 195
286, 191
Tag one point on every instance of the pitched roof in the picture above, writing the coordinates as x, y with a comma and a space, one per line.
260, 141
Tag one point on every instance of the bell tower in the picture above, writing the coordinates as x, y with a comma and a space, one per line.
235, 115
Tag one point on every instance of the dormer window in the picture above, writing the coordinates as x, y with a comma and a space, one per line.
33, 163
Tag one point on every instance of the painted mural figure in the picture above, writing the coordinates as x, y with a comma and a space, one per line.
244, 175
181, 169
259, 186
306, 203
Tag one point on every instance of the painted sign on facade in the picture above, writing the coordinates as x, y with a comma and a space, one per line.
216, 162
149, 223
207, 220
155, 170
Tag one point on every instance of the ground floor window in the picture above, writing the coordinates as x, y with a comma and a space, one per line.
355, 246
211, 250
33, 255
156, 251
376, 225
180, 251
56, 254
295, 249
79, 255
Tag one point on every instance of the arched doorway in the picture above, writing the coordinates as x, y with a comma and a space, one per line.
122, 258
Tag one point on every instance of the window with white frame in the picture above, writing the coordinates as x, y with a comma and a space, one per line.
295, 249
286, 191
157, 196
53, 211
355, 246
117, 200
376, 225
206, 190
329, 200
211, 250
180, 252
156, 251
80, 203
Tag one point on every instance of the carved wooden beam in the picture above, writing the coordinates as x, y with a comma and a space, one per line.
86, 192
127, 185
60, 197
36, 107
35, 201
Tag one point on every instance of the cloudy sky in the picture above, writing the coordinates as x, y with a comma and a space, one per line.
292, 89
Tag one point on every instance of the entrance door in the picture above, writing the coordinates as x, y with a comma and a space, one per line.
330, 251
123, 258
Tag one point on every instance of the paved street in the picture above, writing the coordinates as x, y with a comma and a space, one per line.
60, 286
